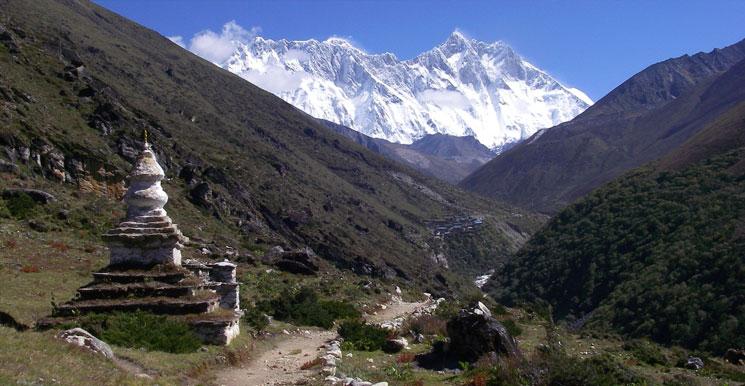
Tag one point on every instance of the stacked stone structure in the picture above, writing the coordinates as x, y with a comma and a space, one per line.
145, 270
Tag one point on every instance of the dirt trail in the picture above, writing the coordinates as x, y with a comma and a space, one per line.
395, 310
281, 364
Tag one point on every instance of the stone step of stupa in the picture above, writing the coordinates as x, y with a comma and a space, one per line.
198, 304
137, 276
135, 290
154, 224
141, 231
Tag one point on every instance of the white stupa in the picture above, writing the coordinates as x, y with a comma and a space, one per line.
147, 236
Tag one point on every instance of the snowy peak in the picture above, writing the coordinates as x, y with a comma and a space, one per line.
461, 87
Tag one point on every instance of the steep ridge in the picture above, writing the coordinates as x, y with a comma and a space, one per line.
446, 157
243, 168
462, 87
641, 120
654, 253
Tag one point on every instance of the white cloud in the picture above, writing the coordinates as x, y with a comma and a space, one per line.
217, 47
444, 98
178, 40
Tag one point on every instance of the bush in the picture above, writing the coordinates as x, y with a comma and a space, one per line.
646, 352
255, 318
305, 308
4, 212
21, 206
143, 330
360, 336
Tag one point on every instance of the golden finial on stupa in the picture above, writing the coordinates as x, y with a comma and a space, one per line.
144, 133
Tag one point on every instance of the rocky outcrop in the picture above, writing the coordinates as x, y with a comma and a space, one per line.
694, 363
474, 332
84, 339
392, 346
300, 261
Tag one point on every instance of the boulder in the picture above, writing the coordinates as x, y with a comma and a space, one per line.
395, 345
300, 261
474, 332
694, 363
294, 267
84, 339
736, 357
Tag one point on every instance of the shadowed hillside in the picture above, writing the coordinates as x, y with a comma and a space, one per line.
80, 84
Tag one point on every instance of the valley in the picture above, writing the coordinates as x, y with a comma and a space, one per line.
356, 225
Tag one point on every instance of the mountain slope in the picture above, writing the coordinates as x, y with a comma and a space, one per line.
462, 87
641, 120
657, 252
79, 84
443, 156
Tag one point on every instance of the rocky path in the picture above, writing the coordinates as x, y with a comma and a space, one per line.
281, 364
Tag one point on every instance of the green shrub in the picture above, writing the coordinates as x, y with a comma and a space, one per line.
360, 336
448, 309
255, 318
143, 330
645, 351
4, 212
21, 206
512, 327
305, 308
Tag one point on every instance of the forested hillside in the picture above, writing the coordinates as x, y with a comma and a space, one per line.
658, 252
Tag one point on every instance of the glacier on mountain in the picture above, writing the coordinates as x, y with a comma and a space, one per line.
461, 87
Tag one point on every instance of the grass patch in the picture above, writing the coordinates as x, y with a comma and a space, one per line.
33, 357
143, 330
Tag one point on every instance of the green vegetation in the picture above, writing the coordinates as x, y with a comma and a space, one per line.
361, 336
646, 352
21, 206
305, 308
512, 327
255, 318
598, 370
143, 330
652, 254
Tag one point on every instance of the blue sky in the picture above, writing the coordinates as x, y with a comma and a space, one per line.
591, 45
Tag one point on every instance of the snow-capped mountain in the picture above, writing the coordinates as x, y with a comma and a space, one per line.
461, 87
